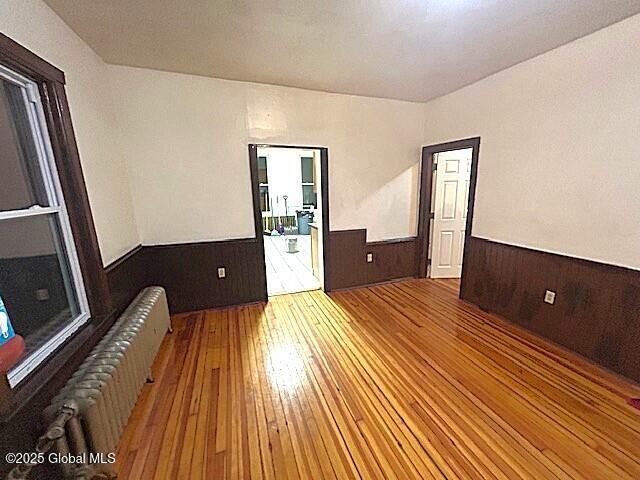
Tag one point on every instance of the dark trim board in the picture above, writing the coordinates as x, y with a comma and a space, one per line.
326, 231
261, 265
597, 307
392, 259
77, 200
16, 57
424, 211
324, 194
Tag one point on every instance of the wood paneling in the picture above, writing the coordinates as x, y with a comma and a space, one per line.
398, 381
597, 307
127, 276
392, 259
189, 273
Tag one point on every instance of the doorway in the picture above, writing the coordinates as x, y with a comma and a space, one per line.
447, 194
291, 215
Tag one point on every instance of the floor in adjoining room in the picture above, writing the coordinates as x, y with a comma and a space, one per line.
400, 380
289, 272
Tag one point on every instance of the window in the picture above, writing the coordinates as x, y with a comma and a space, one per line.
307, 170
264, 198
263, 179
309, 195
40, 278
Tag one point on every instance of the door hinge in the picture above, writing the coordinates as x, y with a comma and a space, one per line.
432, 215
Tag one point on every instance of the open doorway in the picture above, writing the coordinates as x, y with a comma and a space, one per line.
447, 194
291, 216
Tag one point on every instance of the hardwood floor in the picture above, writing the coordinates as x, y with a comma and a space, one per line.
395, 381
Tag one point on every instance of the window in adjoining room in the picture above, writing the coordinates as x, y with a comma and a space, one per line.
263, 179
309, 195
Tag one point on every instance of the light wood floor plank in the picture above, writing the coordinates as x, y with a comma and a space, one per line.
400, 380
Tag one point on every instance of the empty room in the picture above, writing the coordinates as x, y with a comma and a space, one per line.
320, 240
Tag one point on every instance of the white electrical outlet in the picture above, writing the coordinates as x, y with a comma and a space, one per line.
222, 272
369, 257
549, 297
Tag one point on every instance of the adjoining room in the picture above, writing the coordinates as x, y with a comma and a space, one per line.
290, 197
319, 240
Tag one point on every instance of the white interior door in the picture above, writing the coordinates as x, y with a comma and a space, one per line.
450, 212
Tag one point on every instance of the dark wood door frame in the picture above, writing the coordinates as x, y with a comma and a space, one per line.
426, 180
324, 194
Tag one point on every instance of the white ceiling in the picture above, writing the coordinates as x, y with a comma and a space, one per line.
405, 49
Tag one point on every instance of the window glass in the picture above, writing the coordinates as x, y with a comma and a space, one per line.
22, 185
309, 197
262, 170
264, 198
35, 279
307, 169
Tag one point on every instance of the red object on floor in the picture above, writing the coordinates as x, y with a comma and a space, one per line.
635, 402
10, 352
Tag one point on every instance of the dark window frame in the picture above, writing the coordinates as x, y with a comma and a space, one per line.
54, 371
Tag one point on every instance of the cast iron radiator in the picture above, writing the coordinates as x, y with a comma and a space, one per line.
101, 394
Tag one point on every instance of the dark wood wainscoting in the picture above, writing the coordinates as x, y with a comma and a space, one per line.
189, 272
597, 306
126, 277
392, 259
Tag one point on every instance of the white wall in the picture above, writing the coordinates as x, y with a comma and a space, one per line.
186, 141
32, 24
559, 166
